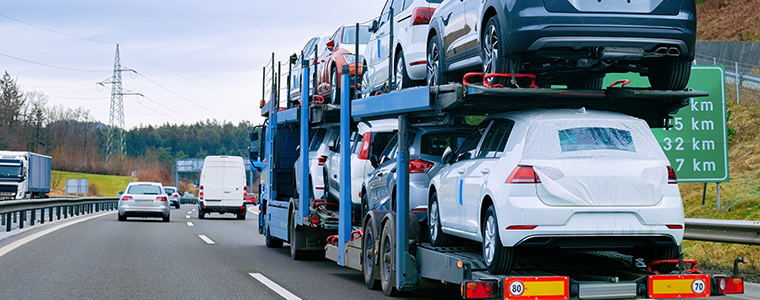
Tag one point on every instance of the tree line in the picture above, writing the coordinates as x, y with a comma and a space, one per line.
77, 142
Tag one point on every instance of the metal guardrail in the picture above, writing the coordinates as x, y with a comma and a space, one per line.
56, 207
724, 231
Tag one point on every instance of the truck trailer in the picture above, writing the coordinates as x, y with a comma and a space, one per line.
24, 175
389, 247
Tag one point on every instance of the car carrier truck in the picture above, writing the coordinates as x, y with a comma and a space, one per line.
24, 175
391, 251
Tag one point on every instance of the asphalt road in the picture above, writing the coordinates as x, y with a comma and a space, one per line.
102, 258
220, 257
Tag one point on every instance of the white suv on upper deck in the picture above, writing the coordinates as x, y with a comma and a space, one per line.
558, 179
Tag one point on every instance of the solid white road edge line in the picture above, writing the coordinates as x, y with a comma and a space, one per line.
190, 224
254, 210
275, 287
206, 239
32, 237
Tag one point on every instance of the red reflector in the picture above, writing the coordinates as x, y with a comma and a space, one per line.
422, 15
672, 176
523, 174
416, 63
419, 209
161, 198
419, 166
675, 226
364, 153
242, 207
522, 227
125, 198
314, 219
477, 289
322, 159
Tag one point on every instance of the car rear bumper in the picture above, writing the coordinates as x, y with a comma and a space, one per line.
206, 208
144, 211
543, 30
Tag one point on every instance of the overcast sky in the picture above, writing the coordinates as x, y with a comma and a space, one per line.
195, 60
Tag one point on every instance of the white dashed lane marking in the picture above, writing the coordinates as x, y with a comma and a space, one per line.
190, 224
206, 239
275, 287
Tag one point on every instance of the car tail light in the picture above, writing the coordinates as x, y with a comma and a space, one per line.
322, 160
125, 198
478, 289
245, 189
161, 198
175, 195
728, 285
422, 15
419, 166
523, 174
200, 193
364, 153
671, 176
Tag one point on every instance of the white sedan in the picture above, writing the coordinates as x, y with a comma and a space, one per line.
558, 179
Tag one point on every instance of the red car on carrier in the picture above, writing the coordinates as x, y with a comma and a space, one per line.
339, 52
250, 198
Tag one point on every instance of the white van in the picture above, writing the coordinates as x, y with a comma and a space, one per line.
222, 186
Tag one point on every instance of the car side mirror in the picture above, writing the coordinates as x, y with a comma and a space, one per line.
333, 145
447, 156
331, 44
196, 182
373, 27
293, 58
120, 193
373, 159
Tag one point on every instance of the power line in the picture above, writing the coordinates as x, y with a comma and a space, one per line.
76, 98
56, 31
169, 109
180, 76
158, 112
178, 95
51, 66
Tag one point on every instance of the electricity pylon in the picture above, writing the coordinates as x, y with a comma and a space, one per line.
115, 140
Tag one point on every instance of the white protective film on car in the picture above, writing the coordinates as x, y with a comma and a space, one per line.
596, 162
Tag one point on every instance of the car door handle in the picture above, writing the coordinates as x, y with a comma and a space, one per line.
460, 171
485, 171
380, 174
393, 170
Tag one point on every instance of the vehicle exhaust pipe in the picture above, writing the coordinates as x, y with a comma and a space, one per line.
673, 51
621, 53
662, 51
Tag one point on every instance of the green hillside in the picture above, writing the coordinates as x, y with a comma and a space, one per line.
100, 185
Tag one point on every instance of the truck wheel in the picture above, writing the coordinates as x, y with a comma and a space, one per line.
437, 237
295, 254
387, 258
272, 242
369, 256
201, 214
499, 259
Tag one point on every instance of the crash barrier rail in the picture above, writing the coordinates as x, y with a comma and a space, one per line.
16, 211
723, 231
735, 72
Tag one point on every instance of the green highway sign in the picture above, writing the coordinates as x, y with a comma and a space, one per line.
696, 145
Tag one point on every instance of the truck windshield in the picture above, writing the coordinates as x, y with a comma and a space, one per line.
10, 170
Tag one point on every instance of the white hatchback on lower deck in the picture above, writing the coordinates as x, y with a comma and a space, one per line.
558, 179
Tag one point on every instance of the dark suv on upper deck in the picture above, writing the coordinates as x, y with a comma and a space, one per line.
566, 42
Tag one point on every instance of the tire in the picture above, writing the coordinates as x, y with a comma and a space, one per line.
167, 218
499, 259
437, 237
387, 258
365, 205
334, 88
659, 253
122, 218
494, 49
401, 78
270, 241
370, 245
586, 83
201, 214
669, 73
295, 254
434, 63
241, 216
